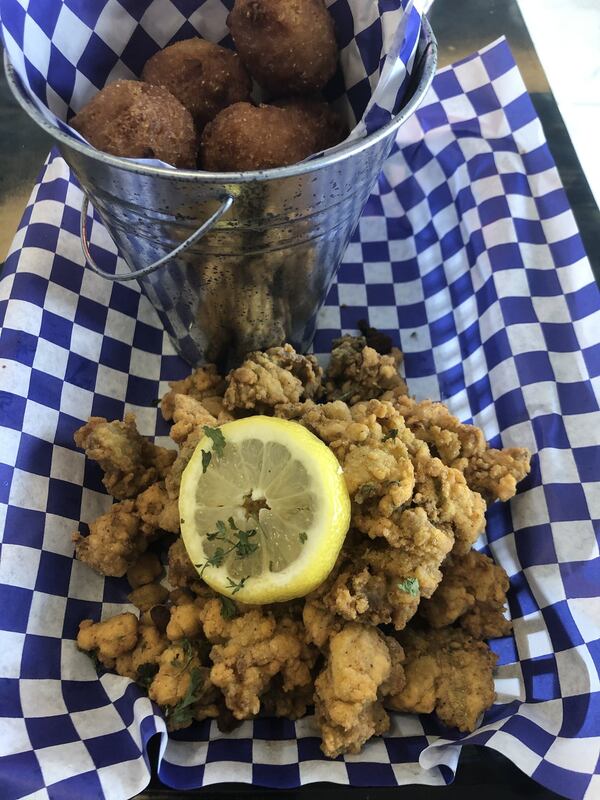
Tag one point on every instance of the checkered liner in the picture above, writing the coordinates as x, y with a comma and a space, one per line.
474, 265
64, 51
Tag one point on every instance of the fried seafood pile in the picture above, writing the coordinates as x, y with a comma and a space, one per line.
419, 482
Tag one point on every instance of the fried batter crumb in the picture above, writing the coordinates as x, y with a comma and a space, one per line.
361, 669
279, 375
448, 672
115, 541
109, 639
472, 591
130, 462
145, 570
358, 372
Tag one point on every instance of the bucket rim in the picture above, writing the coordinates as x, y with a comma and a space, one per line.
429, 56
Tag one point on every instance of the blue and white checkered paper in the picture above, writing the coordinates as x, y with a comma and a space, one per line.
474, 266
64, 51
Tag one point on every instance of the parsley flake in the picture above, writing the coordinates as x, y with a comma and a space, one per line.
228, 608
410, 586
206, 458
217, 437
303, 536
237, 586
181, 714
237, 539
391, 434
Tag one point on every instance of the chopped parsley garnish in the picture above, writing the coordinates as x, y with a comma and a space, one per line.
206, 459
182, 713
391, 434
237, 586
410, 586
303, 536
217, 437
238, 541
218, 440
228, 608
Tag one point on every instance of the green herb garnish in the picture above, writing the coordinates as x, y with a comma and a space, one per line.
228, 608
217, 437
303, 536
237, 586
391, 434
206, 458
410, 586
182, 713
237, 539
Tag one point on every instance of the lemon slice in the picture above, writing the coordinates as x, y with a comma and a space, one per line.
264, 516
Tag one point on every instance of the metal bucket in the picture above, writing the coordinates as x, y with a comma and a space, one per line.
236, 261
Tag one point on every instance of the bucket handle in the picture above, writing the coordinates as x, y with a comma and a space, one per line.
141, 273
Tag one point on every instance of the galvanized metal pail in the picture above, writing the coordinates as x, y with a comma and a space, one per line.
236, 261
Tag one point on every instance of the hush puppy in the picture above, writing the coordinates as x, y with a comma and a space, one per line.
136, 120
288, 46
244, 137
318, 120
203, 76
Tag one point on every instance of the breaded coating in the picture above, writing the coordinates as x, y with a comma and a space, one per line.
317, 119
190, 415
319, 622
304, 367
137, 120
129, 461
493, 473
145, 570
180, 672
180, 570
115, 541
157, 510
250, 650
204, 382
184, 622
448, 672
358, 372
293, 704
279, 375
147, 596
109, 639
186, 451
181, 597
246, 137
360, 670
418, 482
379, 584
472, 591
150, 645
448, 501
415, 507
287, 47
496, 473
203, 76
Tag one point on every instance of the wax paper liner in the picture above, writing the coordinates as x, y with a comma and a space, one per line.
64, 51
469, 256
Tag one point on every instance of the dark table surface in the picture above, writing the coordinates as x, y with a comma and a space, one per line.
461, 27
